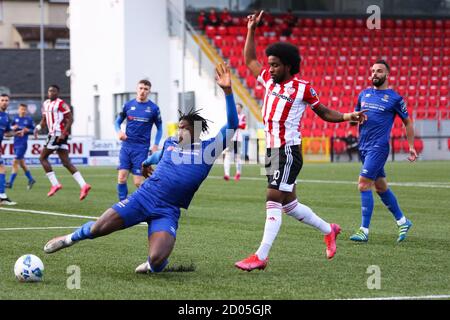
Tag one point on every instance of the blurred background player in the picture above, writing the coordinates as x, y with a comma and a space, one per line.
183, 164
285, 101
141, 114
23, 125
382, 105
236, 147
5, 129
351, 142
56, 115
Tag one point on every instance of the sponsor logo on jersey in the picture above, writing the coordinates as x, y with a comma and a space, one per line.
282, 97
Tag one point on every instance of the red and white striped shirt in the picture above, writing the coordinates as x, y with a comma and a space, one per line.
54, 112
242, 125
283, 107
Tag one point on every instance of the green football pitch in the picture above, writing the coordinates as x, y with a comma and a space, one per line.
224, 224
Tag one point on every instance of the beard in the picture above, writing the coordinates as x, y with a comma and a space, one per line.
378, 82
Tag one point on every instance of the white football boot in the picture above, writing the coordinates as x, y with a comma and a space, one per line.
59, 243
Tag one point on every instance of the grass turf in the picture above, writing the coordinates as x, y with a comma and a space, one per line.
224, 224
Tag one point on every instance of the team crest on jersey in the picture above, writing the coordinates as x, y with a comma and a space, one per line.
148, 109
170, 148
133, 108
367, 95
313, 92
363, 104
290, 90
385, 98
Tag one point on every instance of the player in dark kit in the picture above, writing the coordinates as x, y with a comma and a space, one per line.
382, 105
183, 164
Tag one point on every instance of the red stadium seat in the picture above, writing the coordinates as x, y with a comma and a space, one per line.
405, 146
397, 132
339, 146
448, 143
418, 145
250, 81
259, 92
307, 123
306, 132
396, 146
243, 71
317, 132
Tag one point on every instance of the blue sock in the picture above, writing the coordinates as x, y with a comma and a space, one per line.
122, 191
83, 232
366, 208
2, 183
391, 203
29, 176
12, 177
158, 268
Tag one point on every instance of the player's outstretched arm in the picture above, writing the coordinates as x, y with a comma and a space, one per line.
251, 60
336, 116
159, 133
146, 166
409, 126
40, 126
223, 78
121, 135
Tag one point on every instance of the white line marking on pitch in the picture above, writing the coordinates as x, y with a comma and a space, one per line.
48, 213
407, 298
37, 228
400, 184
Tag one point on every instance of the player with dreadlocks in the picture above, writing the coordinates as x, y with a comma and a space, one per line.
183, 164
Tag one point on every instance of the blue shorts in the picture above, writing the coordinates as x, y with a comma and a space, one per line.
131, 159
159, 215
19, 151
373, 164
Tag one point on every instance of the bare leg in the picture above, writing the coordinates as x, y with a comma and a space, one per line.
160, 246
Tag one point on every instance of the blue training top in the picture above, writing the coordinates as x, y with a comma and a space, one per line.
182, 168
5, 124
22, 122
140, 118
382, 106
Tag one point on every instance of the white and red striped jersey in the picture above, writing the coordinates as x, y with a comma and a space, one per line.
242, 125
283, 107
54, 112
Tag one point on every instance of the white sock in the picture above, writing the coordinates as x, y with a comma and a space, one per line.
306, 215
401, 221
79, 178
227, 163
238, 164
365, 230
273, 224
52, 177
3, 195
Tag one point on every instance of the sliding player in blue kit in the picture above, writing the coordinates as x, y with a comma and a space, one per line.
141, 114
184, 163
382, 105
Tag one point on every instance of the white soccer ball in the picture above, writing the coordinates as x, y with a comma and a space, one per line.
29, 268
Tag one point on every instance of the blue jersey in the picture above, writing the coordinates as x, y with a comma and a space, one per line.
140, 118
5, 124
21, 123
382, 106
180, 171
